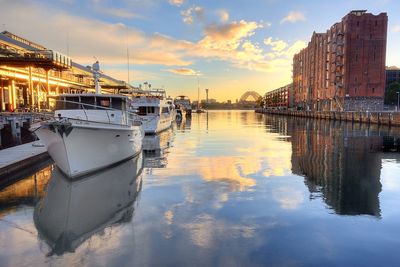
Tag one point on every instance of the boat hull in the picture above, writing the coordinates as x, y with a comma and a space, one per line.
155, 124
78, 150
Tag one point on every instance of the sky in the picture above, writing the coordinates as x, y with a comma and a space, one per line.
227, 46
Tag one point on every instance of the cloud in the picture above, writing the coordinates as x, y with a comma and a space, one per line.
83, 35
176, 2
293, 17
191, 13
278, 45
227, 36
396, 28
183, 71
223, 15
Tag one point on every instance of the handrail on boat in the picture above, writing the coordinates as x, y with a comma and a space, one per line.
126, 118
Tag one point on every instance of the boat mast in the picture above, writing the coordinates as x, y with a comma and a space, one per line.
96, 76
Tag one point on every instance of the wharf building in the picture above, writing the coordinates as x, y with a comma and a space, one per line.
29, 73
281, 98
343, 69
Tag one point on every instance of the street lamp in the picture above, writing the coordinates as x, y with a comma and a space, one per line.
398, 100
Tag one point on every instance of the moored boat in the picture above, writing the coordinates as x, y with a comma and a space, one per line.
89, 132
154, 111
183, 102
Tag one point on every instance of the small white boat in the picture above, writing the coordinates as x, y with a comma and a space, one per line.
72, 211
90, 132
183, 102
154, 111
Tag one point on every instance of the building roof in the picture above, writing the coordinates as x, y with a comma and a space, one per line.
23, 43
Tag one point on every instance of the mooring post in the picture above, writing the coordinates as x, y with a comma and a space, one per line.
15, 130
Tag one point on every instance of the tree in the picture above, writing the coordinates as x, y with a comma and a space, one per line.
391, 93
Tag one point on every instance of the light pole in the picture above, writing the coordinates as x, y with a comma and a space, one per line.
207, 97
398, 100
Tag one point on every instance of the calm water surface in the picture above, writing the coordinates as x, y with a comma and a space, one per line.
228, 188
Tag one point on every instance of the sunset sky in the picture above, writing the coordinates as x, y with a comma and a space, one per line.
233, 45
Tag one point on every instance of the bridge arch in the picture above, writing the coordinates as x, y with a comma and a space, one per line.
247, 94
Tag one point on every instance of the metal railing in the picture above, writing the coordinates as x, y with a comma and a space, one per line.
126, 119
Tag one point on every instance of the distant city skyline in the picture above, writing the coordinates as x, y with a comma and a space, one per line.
233, 47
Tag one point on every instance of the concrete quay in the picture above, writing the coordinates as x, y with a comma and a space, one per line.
380, 118
19, 158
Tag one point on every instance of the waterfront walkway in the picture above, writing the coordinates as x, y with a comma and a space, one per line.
375, 117
19, 157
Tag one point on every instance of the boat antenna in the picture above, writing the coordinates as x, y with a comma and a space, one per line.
96, 76
198, 92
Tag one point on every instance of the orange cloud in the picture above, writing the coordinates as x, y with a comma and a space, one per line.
183, 71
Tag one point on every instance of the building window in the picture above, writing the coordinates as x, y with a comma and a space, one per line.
373, 89
355, 90
376, 23
358, 23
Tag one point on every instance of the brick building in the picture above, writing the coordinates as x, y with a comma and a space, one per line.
343, 68
281, 98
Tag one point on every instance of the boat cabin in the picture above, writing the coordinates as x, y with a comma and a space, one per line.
90, 101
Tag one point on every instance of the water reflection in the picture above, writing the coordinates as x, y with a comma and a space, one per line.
73, 211
341, 162
24, 192
155, 148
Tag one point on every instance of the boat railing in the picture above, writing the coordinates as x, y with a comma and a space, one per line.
83, 106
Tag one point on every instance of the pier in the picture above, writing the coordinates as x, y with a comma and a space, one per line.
18, 158
381, 118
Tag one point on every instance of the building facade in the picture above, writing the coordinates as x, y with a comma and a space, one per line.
343, 68
29, 73
281, 98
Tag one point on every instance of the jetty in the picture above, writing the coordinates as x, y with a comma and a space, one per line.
16, 159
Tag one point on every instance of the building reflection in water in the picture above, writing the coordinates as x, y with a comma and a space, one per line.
155, 148
341, 162
74, 210
24, 192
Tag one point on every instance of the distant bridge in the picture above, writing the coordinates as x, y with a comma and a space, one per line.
256, 96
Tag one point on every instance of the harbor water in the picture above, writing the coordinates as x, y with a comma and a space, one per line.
223, 188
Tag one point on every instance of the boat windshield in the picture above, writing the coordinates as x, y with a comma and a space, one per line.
143, 111
90, 102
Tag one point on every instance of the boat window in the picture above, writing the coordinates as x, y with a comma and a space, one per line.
60, 104
151, 110
88, 102
69, 105
142, 111
103, 102
116, 103
165, 110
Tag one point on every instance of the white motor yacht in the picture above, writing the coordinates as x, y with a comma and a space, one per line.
153, 109
90, 132
183, 103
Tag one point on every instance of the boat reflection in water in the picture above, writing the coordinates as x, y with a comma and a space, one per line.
155, 148
73, 211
